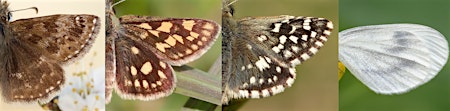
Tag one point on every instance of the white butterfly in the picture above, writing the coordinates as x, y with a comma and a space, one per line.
393, 58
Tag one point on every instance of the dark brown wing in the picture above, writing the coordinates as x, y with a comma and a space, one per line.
140, 74
61, 37
26, 76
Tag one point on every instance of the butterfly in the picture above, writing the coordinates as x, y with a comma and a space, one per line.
141, 49
33, 50
393, 58
260, 53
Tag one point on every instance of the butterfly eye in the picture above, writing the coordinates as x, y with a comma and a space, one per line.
9, 16
231, 11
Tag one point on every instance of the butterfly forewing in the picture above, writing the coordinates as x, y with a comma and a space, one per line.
294, 39
79, 33
175, 40
407, 55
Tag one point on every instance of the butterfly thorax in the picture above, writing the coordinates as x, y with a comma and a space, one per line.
4, 22
111, 19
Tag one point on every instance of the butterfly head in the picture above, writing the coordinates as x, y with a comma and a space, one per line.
227, 8
5, 14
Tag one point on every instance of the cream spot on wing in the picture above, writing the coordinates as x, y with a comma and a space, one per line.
208, 26
162, 46
165, 27
134, 50
188, 24
136, 83
162, 64
195, 35
170, 40
194, 47
188, 51
144, 26
145, 84
178, 38
143, 35
159, 83
161, 75
133, 71
206, 33
146, 68
155, 33
190, 38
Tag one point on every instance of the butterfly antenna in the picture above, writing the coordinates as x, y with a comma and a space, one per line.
232, 2
35, 8
228, 4
117, 3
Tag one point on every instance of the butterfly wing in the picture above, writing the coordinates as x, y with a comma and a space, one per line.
68, 36
140, 74
394, 58
26, 75
264, 52
176, 41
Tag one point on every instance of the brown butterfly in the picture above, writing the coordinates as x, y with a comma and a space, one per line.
33, 50
141, 49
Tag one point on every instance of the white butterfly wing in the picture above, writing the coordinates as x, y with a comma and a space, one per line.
394, 58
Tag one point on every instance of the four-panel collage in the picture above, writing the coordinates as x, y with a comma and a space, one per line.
224, 55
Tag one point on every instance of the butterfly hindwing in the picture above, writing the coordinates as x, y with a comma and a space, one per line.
254, 74
140, 73
26, 75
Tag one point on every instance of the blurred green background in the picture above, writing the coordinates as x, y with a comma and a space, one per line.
315, 88
432, 96
205, 9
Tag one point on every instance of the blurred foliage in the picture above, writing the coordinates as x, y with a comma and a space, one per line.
205, 9
432, 96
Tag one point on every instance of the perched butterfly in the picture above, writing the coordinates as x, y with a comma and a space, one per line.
141, 49
260, 54
33, 50
393, 58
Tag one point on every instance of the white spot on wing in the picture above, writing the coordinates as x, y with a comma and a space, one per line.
283, 39
255, 94
294, 38
277, 27
252, 80
262, 64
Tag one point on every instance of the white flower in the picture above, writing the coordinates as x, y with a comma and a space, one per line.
84, 92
